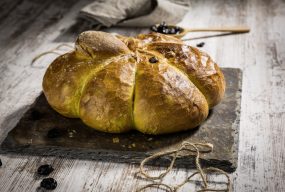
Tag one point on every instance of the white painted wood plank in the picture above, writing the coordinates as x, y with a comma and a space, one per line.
261, 55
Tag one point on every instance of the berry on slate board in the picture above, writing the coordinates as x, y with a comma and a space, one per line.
45, 169
0, 163
49, 183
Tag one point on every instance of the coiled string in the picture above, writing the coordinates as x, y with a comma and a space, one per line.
52, 51
195, 148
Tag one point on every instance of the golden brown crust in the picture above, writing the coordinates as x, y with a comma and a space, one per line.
99, 44
65, 78
166, 100
106, 101
199, 67
110, 83
63, 81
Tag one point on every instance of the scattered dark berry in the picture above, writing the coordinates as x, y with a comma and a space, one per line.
200, 44
36, 115
160, 28
54, 133
0, 163
45, 169
49, 183
153, 60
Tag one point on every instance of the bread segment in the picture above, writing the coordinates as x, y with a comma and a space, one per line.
166, 100
106, 101
66, 76
199, 67
63, 81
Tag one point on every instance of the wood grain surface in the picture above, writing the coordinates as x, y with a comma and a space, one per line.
29, 27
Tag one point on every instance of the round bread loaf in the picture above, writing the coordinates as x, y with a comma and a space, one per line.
153, 83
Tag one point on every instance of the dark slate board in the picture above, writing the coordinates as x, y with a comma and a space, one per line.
76, 140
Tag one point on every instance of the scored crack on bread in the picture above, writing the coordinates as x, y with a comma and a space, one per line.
153, 83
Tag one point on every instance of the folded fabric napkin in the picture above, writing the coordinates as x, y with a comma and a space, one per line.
134, 13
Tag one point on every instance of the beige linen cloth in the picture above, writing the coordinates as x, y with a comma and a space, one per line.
135, 13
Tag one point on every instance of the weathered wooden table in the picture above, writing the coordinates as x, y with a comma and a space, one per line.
30, 27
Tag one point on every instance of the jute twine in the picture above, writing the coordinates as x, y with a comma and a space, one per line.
52, 51
192, 149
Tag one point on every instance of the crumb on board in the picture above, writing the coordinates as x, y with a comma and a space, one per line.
131, 145
116, 140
